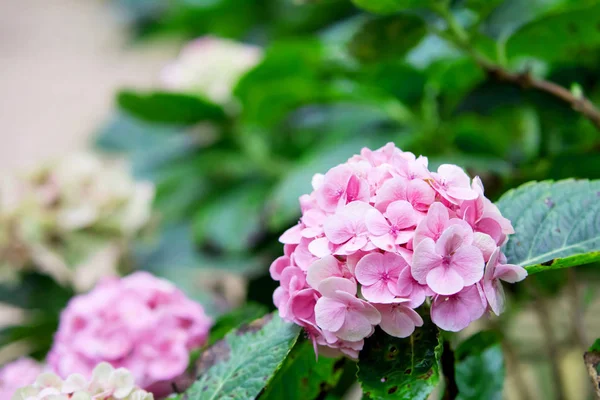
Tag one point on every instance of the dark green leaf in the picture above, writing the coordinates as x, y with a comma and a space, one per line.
302, 377
388, 6
242, 364
572, 35
227, 322
387, 37
557, 224
169, 108
392, 368
479, 368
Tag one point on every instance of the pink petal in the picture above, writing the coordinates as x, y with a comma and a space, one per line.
403, 237
462, 193
445, 281
320, 247
337, 230
473, 299
420, 194
302, 304
494, 293
356, 327
352, 245
485, 244
450, 314
424, 260
292, 235
454, 175
378, 292
492, 228
322, 269
392, 190
510, 273
278, 266
433, 224
401, 214
454, 237
369, 269
468, 262
376, 223
385, 242
330, 314
333, 187
332, 287
399, 321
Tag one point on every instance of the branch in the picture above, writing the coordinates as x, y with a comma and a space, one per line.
447, 362
526, 81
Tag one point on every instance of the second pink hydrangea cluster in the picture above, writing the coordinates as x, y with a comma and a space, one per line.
139, 322
378, 236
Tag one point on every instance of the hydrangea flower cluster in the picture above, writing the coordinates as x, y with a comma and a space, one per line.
106, 383
140, 322
211, 66
63, 216
17, 374
378, 236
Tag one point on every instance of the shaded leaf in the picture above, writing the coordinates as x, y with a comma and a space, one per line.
387, 37
302, 377
388, 6
572, 34
392, 368
169, 108
557, 224
242, 364
227, 322
479, 367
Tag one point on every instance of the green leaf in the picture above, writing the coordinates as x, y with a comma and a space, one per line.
227, 322
595, 346
572, 34
557, 224
479, 367
233, 219
169, 108
387, 6
302, 377
242, 364
392, 368
388, 37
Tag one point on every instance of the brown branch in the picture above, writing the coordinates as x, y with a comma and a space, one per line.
525, 80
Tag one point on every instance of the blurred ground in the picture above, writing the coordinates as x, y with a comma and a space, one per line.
60, 64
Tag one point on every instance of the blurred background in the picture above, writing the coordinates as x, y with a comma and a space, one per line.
222, 110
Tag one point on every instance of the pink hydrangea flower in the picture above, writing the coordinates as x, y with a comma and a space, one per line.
139, 322
17, 374
379, 235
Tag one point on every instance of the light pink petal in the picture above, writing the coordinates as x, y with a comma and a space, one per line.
311, 232
424, 260
376, 223
433, 224
333, 187
330, 314
494, 293
331, 287
356, 327
445, 281
320, 247
474, 300
454, 175
378, 292
399, 321
322, 269
468, 262
357, 190
403, 237
292, 275
313, 218
385, 242
449, 314
392, 190
485, 244
292, 235
337, 229
352, 245
461, 193
453, 238
401, 214
302, 304
510, 273
393, 264
492, 228
370, 312
369, 269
